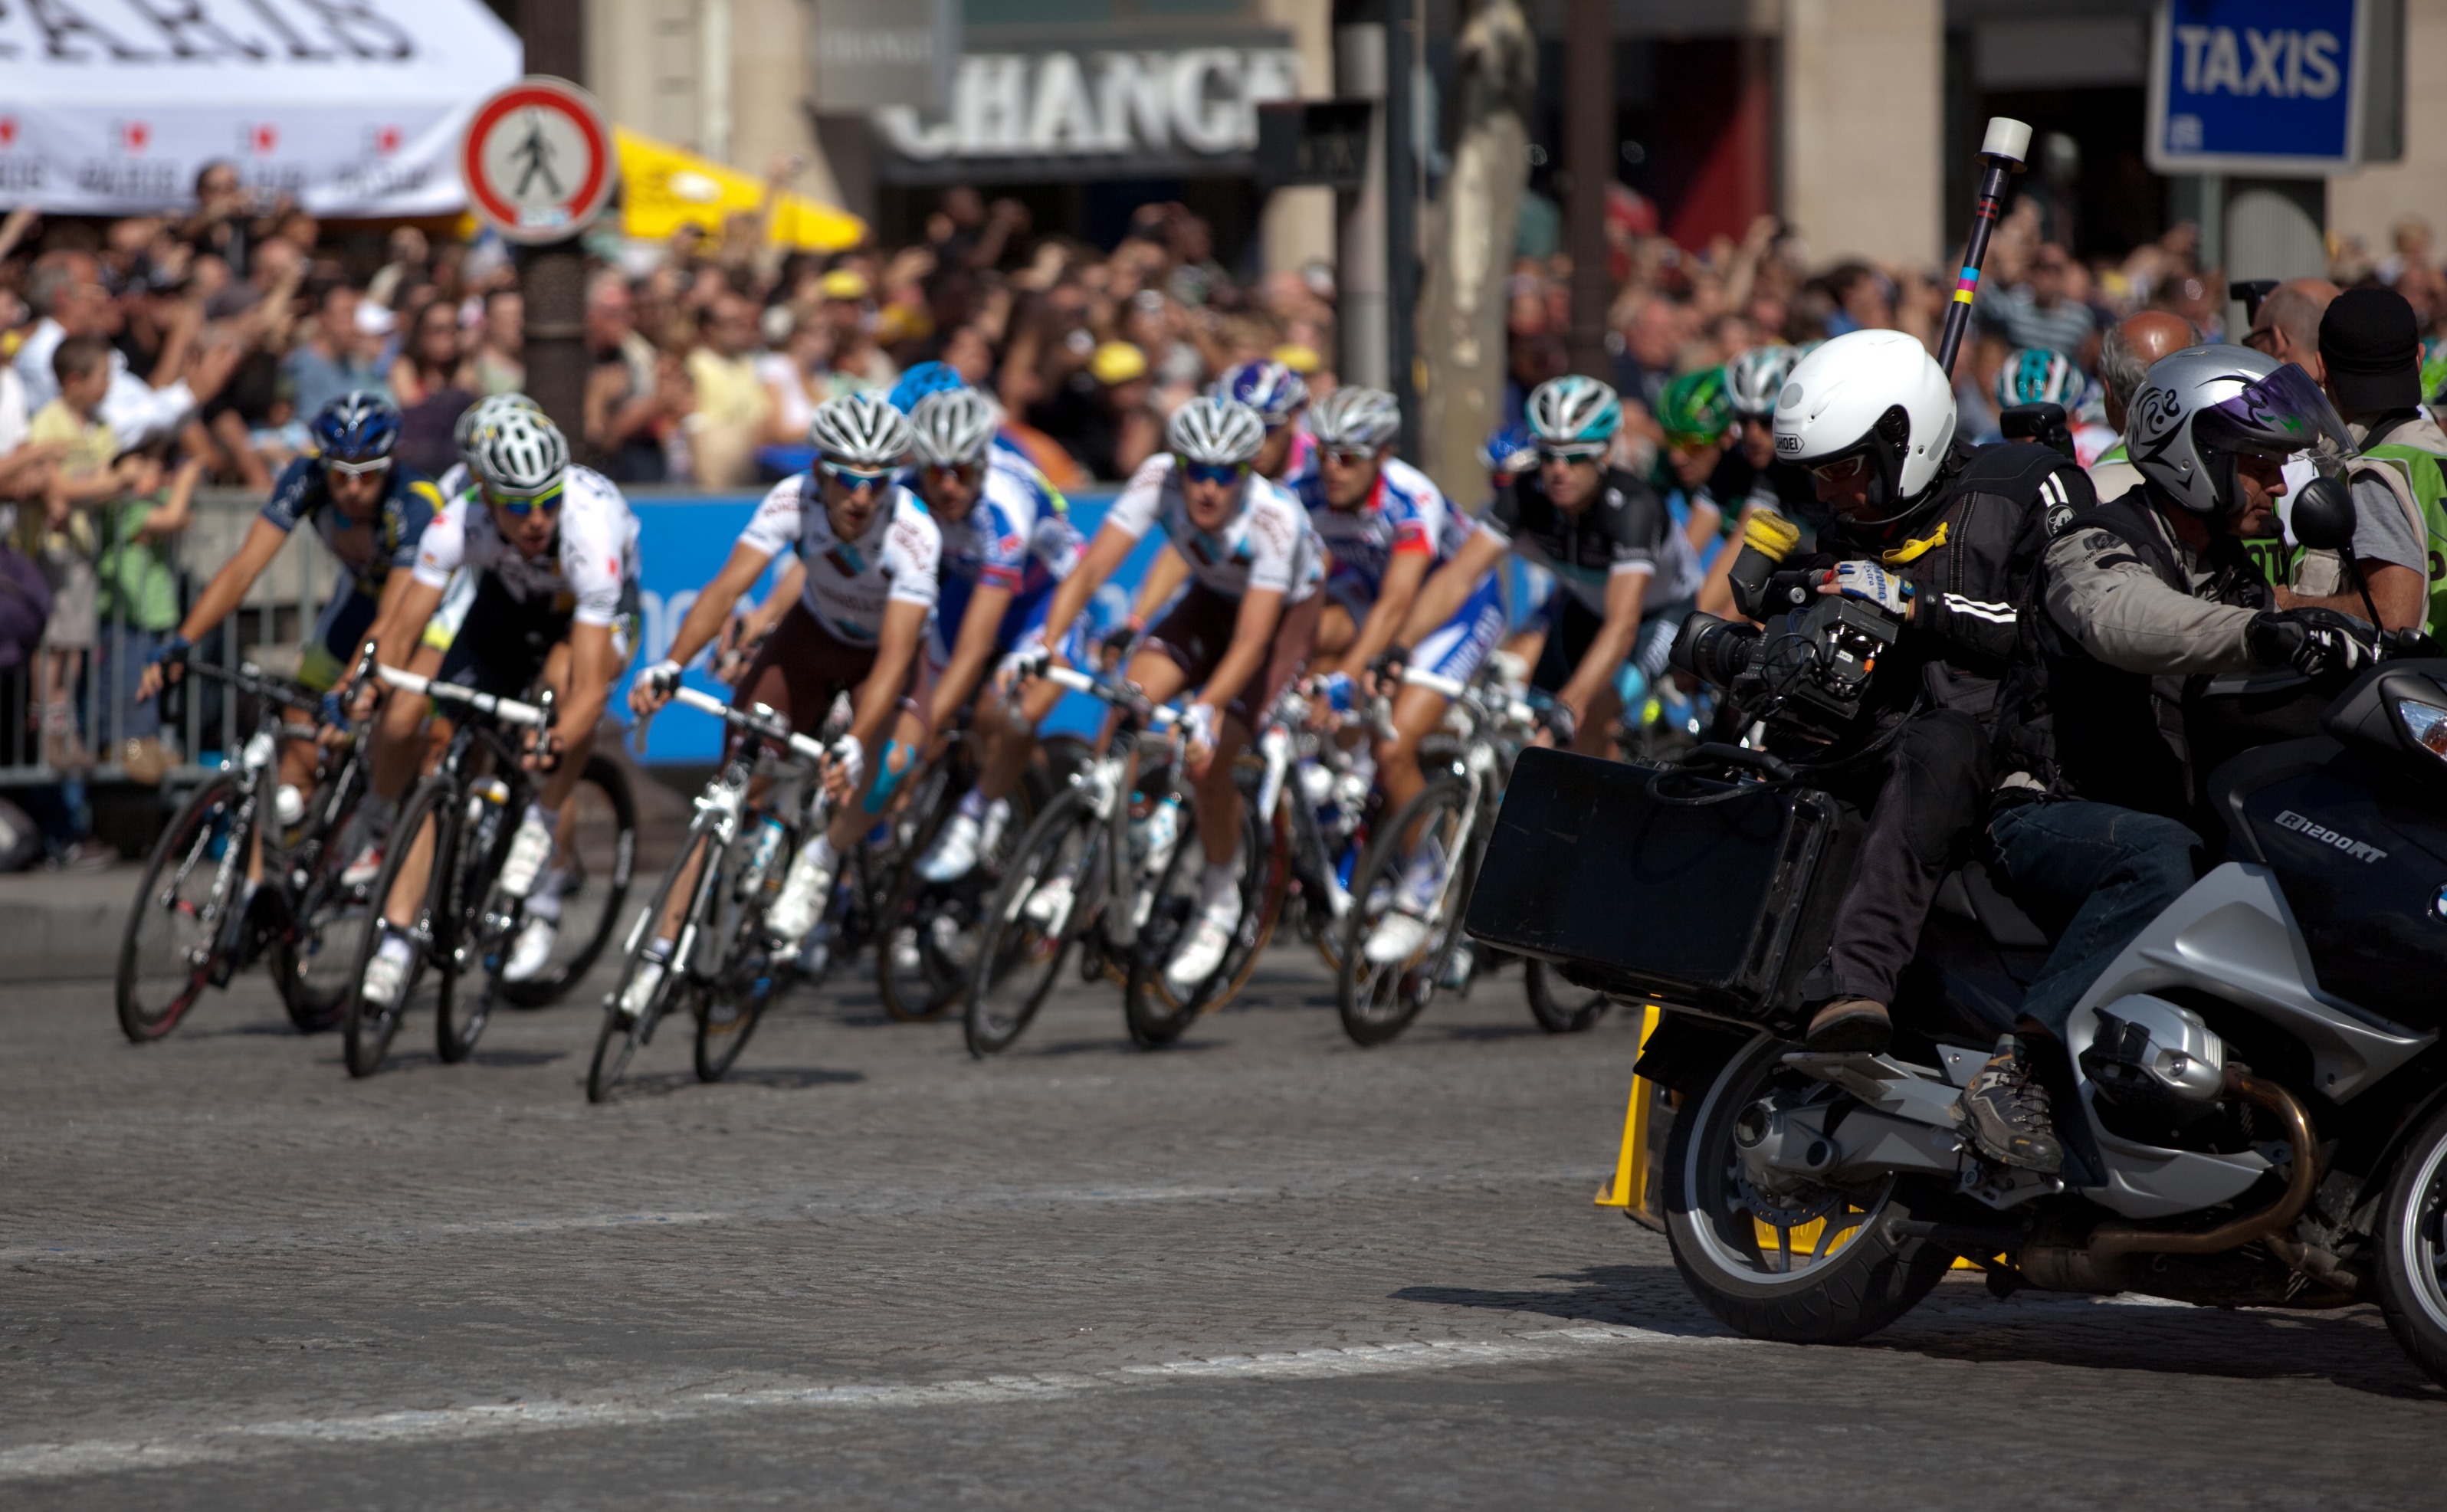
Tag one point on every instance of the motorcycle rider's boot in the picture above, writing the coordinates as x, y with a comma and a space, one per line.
2004, 1110
1850, 1024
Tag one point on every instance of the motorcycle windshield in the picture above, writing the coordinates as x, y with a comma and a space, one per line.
2277, 416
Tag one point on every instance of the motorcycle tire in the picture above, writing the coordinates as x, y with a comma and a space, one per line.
1859, 1284
2412, 1245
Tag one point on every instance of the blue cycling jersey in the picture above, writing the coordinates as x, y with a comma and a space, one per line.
409, 504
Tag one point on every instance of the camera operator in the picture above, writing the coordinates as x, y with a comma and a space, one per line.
1946, 540
2148, 590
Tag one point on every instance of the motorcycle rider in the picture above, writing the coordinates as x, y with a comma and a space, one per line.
1946, 538
2089, 829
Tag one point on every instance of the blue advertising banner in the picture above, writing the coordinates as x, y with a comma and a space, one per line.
2258, 87
682, 544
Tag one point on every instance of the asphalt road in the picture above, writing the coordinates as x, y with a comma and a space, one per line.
1261, 1269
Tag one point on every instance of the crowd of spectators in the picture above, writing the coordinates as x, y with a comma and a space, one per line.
144, 357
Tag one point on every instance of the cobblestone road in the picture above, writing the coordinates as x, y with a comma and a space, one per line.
1263, 1268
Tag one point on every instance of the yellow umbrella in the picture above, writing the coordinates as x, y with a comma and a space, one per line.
663, 187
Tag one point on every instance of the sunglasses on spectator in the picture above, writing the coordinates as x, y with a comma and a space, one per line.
855, 479
1588, 453
1214, 472
1348, 456
964, 473
548, 501
355, 469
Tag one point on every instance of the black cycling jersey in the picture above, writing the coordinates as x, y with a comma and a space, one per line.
1622, 530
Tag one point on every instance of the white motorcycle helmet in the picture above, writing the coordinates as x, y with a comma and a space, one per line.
1876, 394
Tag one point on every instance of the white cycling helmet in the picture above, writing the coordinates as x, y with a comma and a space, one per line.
1754, 379
1574, 415
520, 454
952, 428
1215, 431
476, 417
1355, 417
861, 431
1871, 393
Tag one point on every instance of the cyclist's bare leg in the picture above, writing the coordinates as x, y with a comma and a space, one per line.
1416, 711
1336, 631
1009, 742
851, 819
1595, 735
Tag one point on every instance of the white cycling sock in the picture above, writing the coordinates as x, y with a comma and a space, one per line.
1218, 883
538, 814
821, 849
974, 803
394, 946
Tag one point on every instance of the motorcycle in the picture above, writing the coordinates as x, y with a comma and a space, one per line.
2252, 1097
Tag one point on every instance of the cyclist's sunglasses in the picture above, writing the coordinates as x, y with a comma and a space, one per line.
549, 502
1573, 453
355, 469
855, 479
1349, 456
965, 473
1214, 472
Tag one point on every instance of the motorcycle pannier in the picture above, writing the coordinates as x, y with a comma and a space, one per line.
1612, 871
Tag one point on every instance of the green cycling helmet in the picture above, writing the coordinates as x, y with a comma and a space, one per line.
1696, 409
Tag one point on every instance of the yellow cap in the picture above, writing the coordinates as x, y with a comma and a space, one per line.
1299, 356
1772, 535
844, 283
1117, 362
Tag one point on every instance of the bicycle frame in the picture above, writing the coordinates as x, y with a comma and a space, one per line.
1112, 877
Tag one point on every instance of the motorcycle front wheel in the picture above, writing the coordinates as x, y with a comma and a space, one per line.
2413, 1250
1800, 1262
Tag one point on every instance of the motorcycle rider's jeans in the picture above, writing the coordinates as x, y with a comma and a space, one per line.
2094, 875
1926, 803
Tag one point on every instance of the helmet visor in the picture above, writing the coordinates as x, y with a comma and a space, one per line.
2276, 417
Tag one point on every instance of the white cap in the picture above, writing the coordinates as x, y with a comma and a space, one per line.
2007, 138
373, 319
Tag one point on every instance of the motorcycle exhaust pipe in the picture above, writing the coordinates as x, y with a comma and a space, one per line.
2094, 1266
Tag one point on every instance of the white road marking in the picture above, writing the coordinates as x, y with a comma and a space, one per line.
231, 1442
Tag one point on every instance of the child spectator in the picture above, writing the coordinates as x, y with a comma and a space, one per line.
61, 539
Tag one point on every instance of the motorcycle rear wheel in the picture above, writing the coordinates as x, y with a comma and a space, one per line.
1830, 1279
2413, 1250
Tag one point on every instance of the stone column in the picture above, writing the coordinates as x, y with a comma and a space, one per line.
1864, 128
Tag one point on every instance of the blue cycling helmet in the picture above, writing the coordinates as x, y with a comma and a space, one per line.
357, 427
1275, 392
2035, 375
1510, 450
1574, 415
926, 378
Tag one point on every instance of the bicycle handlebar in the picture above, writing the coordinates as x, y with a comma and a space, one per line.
249, 678
508, 711
1156, 716
760, 720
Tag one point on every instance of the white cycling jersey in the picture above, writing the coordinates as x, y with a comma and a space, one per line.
594, 551
1270, 544
895, 560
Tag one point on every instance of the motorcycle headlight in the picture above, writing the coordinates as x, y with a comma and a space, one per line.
2425, 723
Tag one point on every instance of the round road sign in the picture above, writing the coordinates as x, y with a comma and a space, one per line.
537, 160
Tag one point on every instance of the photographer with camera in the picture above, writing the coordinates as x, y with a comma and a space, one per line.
1890, 641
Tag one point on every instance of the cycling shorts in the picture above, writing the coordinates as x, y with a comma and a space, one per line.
1197, 631
499, 642
800, 670
332, 648
1458, 648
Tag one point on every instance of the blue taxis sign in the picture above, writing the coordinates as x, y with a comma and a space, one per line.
2257, 86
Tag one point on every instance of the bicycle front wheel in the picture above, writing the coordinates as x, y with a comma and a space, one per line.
312, 962
1402, 927
424, 823
482, 922
166, 955
645, 988
1156, 1012
592, 873
1558, 1006
1029, 922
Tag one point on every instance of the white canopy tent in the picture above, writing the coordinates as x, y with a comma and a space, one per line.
353, 107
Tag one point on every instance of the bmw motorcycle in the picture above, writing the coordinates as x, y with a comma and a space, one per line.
2252, 1097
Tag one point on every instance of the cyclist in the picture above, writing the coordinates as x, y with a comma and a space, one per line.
870, 554
370, 509
1385, 527
1243, 629
2036, 375
551, 550
1603, 533
1007, 541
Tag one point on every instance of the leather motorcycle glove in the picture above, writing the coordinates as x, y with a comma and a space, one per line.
2315, 642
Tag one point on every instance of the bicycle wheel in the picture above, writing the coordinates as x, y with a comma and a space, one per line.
601, 819
1378, 997
1029, 922
312, 962
917, 977
1558, 1006
481, 924
166, 955
1155, 1013
367, 1029
617, 1042
730, 1007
